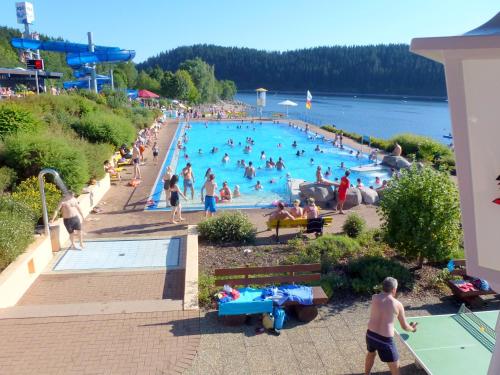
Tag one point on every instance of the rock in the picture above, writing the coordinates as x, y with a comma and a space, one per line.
353, 198
320, 193
369, 196
397, 162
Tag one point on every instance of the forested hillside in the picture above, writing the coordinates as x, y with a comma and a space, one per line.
375, 69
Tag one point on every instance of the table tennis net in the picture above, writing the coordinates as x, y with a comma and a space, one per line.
476, 327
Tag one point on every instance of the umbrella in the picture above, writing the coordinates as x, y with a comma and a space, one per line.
147, 94
288, 103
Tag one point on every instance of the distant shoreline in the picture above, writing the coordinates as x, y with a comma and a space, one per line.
353, 94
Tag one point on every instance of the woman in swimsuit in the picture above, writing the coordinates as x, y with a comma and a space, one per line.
174, 198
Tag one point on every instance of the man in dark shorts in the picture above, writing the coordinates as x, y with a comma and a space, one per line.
380, 334
70, 210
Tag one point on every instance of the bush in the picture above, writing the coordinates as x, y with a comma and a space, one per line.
367, 273
421, 214
206, 289
354, 225
7, 177
372, 243
327, 250
16, 230
424, 148
329, 128
14, 118
28, 194
102, 127
28, 154
95, 154
228, 227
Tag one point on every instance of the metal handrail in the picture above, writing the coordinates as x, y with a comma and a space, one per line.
41, 181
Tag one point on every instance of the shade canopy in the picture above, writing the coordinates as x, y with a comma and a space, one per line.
288, 103
146, 94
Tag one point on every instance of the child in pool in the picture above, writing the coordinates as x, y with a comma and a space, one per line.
258, 186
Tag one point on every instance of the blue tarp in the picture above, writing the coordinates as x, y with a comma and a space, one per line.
248, 303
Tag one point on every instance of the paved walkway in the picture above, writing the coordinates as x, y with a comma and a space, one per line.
333, 343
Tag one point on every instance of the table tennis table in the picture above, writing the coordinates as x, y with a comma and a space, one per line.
453, 344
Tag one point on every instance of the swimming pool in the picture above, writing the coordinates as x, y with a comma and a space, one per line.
275, 140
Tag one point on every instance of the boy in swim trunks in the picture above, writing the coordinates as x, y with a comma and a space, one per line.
380, 334
136, 154
210, 187
70, 211
188, 176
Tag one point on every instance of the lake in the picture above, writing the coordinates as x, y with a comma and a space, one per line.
377, 117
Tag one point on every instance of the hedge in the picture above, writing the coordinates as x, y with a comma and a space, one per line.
16, 230
14, 118
27, 154
101, 127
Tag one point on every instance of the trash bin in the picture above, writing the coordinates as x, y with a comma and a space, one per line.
54, 237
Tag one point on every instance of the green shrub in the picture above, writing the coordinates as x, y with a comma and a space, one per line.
421, 215
227, 227
115, 98
354, 225
327, 250
28, 154
372, 242
28, 193
7, 177
206, 289
14, 118
424, 148
90, 95
367, 273
329, 128
16, 230
102, 127
95, 154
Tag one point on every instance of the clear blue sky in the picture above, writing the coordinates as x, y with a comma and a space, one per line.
152, 26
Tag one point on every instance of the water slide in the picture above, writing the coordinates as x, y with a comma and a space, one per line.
78, 56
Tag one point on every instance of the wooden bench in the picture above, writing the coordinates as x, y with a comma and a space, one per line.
297, 223
470, 297
276, 275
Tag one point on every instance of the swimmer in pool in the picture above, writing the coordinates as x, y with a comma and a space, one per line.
258, 186
225, 159
262, 155
249, 171
280, 165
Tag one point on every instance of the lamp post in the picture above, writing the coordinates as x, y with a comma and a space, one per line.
472, 68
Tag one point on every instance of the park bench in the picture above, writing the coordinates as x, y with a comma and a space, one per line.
470, 297
277, 275
297, 223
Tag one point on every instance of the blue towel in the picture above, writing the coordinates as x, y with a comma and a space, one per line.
298, 293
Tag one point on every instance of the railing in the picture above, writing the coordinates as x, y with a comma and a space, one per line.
41, 181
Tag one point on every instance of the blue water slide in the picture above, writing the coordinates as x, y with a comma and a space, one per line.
56, 46
82, 58
84, 84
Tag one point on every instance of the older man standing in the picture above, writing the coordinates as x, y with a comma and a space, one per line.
71, 214
380, 334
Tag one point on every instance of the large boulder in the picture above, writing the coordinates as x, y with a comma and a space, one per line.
321, 193
369, 196
397, 162
353, 198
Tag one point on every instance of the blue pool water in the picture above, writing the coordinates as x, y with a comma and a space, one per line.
267, 137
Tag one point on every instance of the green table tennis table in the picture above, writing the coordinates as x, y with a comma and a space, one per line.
454, 344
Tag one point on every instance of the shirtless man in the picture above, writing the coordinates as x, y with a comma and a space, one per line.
249, 171
210, 187
70, 211
319, 175
188, 176
380, 334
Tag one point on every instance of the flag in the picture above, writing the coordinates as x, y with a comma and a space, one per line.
308, 99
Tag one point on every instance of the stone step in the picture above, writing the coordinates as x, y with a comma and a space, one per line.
93, 308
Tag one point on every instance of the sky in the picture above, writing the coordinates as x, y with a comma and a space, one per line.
152, 26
